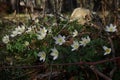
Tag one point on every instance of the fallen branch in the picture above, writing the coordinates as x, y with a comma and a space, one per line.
99, 73
113, 55
62, 64
42, 76
113, 71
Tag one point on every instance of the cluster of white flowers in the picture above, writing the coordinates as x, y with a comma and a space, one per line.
111, 28
54, 54
30, 29
41, 34
19, 30
83, 43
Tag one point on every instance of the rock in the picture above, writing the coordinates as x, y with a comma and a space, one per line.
82, 15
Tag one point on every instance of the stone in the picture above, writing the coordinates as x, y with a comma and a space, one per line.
82, 15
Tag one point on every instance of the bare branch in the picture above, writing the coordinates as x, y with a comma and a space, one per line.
113, 71
99, 73
42, 76
62, 64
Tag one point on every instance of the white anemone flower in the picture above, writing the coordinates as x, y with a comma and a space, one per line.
42, 33
75, 45
14, 33
42, 56
59, 40
26, 43
110, 28
36, 20
5, 39
85, 41
54, 53
18, 30
41, 36
107, 50
29, 29
34, 26
75, 33
21, 29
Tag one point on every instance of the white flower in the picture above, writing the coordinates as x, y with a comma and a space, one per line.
14, 33
29, 29
75, 45
60, 39
34, 26
41, 36
42, 30
42, 33
54, 53
36, 20
62, 17
42, 56
26, 43
75, 33
21, 29
107, 50
18, 30
85, 41
111, 28
5, 39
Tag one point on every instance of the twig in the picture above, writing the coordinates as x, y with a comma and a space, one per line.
41, 76
50, 75
44, 8
103, 12
99, 73
63, 27
60, 6
8, 21
113, 71
62, 64
113, 55
112, 45
96, 76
